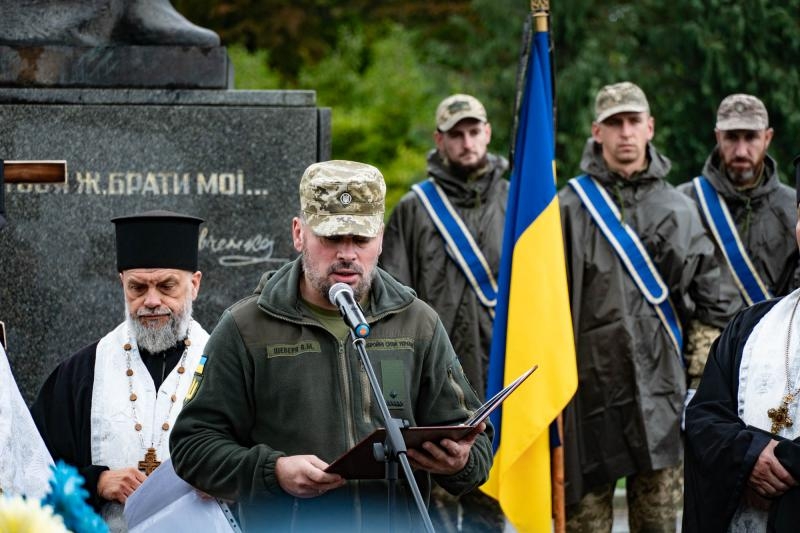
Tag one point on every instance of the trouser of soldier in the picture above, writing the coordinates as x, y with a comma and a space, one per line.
653, 502
474, 511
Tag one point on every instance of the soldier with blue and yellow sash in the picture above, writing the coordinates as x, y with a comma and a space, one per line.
643, 284
444, 240
744, 205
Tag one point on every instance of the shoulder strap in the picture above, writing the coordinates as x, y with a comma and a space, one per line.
459, 243
631, 252
719, 220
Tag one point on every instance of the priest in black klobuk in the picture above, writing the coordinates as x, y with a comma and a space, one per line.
743, 425
109, 408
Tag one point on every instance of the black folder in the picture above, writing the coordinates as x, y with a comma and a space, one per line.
359, 462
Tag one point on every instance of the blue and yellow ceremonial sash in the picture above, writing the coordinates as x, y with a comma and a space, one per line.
631, 252
459, 243
719, 219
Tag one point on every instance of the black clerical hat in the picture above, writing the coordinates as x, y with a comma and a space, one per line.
157, 239
2, 197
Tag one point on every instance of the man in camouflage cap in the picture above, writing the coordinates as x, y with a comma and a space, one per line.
741, 444
624, 421
761, 209
283, 394
463, 173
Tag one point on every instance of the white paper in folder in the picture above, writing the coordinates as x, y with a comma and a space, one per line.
165, 503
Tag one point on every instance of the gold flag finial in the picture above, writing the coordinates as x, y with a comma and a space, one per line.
541, 13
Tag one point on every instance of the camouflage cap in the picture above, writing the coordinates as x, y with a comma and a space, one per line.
343, 198
456, 108
619, 98
742, 112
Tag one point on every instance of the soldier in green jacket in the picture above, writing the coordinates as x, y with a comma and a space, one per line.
282, 393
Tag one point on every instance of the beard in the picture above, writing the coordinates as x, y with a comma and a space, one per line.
156, 339
743, 178
319, 281
466, 171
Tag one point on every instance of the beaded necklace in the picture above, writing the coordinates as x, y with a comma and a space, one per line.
150, 461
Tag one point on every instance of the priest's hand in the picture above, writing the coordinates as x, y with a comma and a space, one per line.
769, 478
117, 485
304, 476
752, 499
448, 457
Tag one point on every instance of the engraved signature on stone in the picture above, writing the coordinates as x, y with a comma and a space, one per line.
238, 252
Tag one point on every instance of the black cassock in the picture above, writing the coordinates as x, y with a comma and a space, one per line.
62, 410
721, 449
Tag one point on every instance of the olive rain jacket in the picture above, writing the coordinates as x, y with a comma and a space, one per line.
414, 252
765, 217
625, 416
276, 383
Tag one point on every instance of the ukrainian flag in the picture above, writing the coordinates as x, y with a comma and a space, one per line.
533, 324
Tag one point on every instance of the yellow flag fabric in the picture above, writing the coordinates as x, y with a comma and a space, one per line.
532, 324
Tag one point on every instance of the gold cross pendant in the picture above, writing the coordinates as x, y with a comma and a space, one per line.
150, 462
780, 416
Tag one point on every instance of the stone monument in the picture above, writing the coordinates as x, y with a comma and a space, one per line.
139, 103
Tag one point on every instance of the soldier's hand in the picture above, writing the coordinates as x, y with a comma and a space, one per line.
117, 485
304, 476
448, 457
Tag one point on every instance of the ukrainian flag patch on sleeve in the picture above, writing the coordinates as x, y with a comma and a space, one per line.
198, 377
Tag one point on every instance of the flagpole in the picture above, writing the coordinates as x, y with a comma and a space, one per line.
540, 9
557, 482
541, 14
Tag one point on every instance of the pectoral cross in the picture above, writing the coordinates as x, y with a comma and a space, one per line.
780, 416
150, 462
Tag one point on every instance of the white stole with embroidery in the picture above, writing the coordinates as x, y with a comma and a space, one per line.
762, 385
115, 442
24, 459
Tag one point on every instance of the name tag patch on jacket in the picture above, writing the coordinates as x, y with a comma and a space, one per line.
390, 344
291, 350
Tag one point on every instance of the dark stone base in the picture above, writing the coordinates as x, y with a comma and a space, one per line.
178, 67
233, 158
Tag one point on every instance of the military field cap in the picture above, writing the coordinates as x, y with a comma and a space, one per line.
157, 239
456, 108
742, 112
343, 198
619, 98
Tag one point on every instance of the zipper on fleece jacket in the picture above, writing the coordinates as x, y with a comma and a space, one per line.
350, 437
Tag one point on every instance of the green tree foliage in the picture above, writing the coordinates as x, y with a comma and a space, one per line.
687, 55
381, 99
383, 66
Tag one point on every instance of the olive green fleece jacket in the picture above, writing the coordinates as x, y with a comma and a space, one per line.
276, 383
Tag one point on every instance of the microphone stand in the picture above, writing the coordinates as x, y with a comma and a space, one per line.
394, 447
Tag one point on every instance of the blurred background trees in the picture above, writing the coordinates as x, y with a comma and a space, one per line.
383, 66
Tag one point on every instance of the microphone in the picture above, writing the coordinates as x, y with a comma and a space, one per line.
341, 295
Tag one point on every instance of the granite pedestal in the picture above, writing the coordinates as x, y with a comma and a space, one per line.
233, 158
